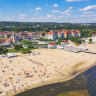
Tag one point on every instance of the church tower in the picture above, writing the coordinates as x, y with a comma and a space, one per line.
13, 37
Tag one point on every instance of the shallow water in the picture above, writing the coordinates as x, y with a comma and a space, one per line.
86, 81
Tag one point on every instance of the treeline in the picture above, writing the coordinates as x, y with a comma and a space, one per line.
36, 26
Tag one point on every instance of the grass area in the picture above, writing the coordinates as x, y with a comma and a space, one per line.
13, 50
43, 39
40, 44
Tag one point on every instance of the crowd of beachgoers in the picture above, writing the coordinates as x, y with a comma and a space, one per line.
15, 77
41, 67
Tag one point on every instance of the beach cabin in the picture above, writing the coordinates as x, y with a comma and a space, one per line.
64, 43
52, 45
94, 35
60, 47
10, 55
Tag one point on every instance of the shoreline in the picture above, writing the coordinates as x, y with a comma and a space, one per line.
39, 85
51, 66
48, 82
58, 79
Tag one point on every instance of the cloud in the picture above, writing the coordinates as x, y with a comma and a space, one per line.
21, 16
90, 7
54, 11
88, 15
70, 8
64, 12
49, 16
74, 0
67, 11
61, 16
88, 12
38, 9
55, 5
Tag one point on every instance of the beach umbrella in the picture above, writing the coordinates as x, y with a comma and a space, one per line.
6, 92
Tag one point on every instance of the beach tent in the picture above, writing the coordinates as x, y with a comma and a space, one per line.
10, 55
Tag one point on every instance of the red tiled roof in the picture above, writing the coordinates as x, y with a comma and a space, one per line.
2, 40
6, 39
10, 33
50, 33
65, 42
69, 32
59, 32
93, 34
52, 44
3, 33
77, 31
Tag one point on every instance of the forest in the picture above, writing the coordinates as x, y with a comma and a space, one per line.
86, 29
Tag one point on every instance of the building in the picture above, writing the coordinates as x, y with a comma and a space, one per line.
52, 45
51, 35
93, 35
72, 33
13, 37
54, 35
60, 34
64, 43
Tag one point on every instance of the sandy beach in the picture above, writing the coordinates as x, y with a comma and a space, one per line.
50, 66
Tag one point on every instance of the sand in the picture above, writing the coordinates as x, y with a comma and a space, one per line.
50, 66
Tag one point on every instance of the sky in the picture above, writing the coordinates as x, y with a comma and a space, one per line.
71, 11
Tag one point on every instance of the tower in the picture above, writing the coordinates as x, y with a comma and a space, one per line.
13, 37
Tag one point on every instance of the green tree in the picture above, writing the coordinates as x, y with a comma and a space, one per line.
27, 50
3, 50
43, 34
90, 40
18, 47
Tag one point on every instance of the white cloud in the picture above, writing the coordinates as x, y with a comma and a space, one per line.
70, 8
54, 11
74, 0
61, 16
38, 9
55, 5
22, 15
88, 12
67, 11
90, 7
49, 16
88, 15
83, 15
13, 17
